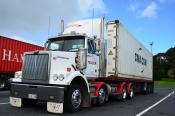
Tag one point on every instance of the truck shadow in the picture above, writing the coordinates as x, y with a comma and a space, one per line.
110, 106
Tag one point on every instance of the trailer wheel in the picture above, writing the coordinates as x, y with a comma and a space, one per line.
124, 94
102, 95
2, 84
130, 95
152, 88
147, 88
74, 98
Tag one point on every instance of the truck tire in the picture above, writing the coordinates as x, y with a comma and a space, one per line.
74, 98
2, 84
124, 93
130, 95
145, 88
102, 95
148, 89
152, 88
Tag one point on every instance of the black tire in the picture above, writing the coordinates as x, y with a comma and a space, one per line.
124, 94
152, 88
145, 88
102, 96
130, 95
74, 98
28, 102
149, 89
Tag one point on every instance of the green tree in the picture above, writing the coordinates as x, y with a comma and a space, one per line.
162, 63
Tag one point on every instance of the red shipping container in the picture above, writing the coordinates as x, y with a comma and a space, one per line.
11, 54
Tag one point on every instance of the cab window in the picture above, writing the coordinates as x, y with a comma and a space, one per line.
67, 43
91, 47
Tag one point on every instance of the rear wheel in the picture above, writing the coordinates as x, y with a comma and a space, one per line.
124, 94
148, 88
74, 98
102, 96
130, 95
152, 88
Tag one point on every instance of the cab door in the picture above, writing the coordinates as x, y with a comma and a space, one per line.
92, 69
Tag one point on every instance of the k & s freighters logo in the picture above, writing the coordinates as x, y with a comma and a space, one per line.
74, 25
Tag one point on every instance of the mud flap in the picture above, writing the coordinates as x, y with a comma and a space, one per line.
54, 107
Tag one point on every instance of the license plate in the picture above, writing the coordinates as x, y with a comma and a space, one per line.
17, 102
32, 96
55, 107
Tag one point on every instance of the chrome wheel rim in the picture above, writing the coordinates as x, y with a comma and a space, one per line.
101, 95
131, 93
124, 93
76, 98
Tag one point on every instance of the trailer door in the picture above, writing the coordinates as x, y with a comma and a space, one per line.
112, 48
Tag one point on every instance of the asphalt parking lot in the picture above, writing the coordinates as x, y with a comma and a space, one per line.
160, 103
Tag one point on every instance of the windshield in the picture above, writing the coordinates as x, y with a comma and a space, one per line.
70, 44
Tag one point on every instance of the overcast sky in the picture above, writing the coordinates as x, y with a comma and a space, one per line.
29, 19
148, 20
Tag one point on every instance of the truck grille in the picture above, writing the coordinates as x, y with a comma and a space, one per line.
35, 67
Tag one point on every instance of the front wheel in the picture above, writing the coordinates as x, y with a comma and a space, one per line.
74, 98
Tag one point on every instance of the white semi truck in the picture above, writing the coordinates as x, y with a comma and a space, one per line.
90, 61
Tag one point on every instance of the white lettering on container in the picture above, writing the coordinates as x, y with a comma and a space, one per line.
9, 56
6, 55
15, 58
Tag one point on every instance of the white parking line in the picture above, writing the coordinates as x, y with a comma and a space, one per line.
4, 103
144, 111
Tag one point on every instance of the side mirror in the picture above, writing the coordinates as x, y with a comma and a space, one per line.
98, 46
46, 45
81, 59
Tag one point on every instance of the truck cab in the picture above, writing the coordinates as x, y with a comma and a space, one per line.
69, 45
60, 72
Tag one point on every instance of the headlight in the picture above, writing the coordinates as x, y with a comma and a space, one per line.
55, 77
61, 77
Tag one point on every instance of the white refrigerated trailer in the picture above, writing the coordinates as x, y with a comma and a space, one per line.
126, 57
